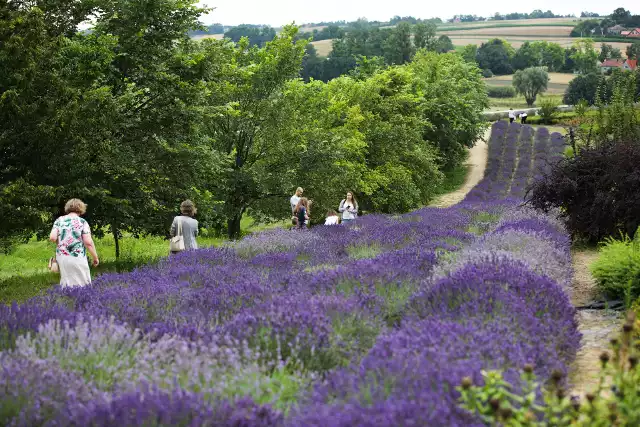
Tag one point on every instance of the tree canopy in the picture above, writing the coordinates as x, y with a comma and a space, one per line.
134, 116
531, 82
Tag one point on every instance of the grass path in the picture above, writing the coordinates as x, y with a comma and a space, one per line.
597, 326
477, 162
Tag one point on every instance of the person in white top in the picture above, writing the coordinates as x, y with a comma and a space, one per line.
332, 218
295, 199
349, 208
512, 115
523, 117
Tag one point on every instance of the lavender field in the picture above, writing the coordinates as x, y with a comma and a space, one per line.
368, 325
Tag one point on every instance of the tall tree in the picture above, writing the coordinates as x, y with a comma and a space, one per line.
454, 97
526, 56
470, 53
399, 48
633, 51
531, 82
585, 56
113, 112
247, 119
496, 55
551, 55
444, 44
424, 36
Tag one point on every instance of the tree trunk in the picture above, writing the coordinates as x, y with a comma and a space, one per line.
530, 101
233, 225
116, 239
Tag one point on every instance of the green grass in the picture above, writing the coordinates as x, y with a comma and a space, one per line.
24, 273
499, 104
454, 177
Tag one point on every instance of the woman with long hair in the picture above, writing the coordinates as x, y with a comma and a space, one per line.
349, 208
302, 212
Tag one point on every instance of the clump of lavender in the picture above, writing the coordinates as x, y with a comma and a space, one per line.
32, 391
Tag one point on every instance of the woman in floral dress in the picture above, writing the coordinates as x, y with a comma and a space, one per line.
73, 238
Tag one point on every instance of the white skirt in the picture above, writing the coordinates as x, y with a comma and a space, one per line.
74, 271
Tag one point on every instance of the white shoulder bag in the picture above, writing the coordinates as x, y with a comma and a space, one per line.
176, 244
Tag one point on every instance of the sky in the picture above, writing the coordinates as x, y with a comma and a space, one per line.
280, 12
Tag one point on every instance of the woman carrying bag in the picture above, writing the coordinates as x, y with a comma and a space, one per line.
349, 208
184, 229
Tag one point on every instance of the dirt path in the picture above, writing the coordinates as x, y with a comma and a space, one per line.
597, 326
478, 162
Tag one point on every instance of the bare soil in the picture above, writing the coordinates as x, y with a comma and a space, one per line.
478, 162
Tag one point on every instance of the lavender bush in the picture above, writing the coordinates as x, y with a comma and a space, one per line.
371, 324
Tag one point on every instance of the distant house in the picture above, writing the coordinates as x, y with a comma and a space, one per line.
630, 65
626, 65
617, 29
611, 64
635, 33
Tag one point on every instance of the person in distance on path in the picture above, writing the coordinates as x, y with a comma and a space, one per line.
512, 115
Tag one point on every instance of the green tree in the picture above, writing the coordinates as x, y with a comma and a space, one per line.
531, 82
257, 35
583, 87
551, 55
527, 56
633, 51
247, 121
312, 64
399, 49
585, 56
496, 55
454, 97
424, 36
609, 52
114, 112
470, 53
444, 44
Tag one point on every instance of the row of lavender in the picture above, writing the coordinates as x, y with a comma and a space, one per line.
374, 324
517, 156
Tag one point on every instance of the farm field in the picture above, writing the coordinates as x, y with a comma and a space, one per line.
558, 83
338, 325
323, 47
540, 30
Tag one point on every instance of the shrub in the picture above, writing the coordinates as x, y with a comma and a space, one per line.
548, 109
582, 87
487, 73
597, 190
501, 92
617, 270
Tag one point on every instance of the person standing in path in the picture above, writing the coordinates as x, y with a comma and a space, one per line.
348, 208
187, 225
295, 199
523, 117
302, 212
72, 236
512, 115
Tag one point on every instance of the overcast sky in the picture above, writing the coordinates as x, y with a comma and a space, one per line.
280, 12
